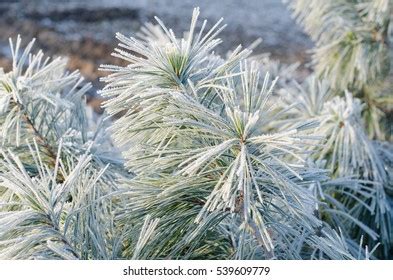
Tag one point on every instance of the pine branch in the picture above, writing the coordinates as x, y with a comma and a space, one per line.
221, 164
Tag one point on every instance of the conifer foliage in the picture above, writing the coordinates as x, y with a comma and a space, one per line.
202, 156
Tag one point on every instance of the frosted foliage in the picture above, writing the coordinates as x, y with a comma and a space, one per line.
351, 42
200, 156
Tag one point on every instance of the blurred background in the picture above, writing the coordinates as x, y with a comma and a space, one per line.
84, 30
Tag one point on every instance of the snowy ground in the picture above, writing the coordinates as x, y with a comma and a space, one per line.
246, 19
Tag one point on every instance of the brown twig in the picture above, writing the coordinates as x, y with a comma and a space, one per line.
41, 140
